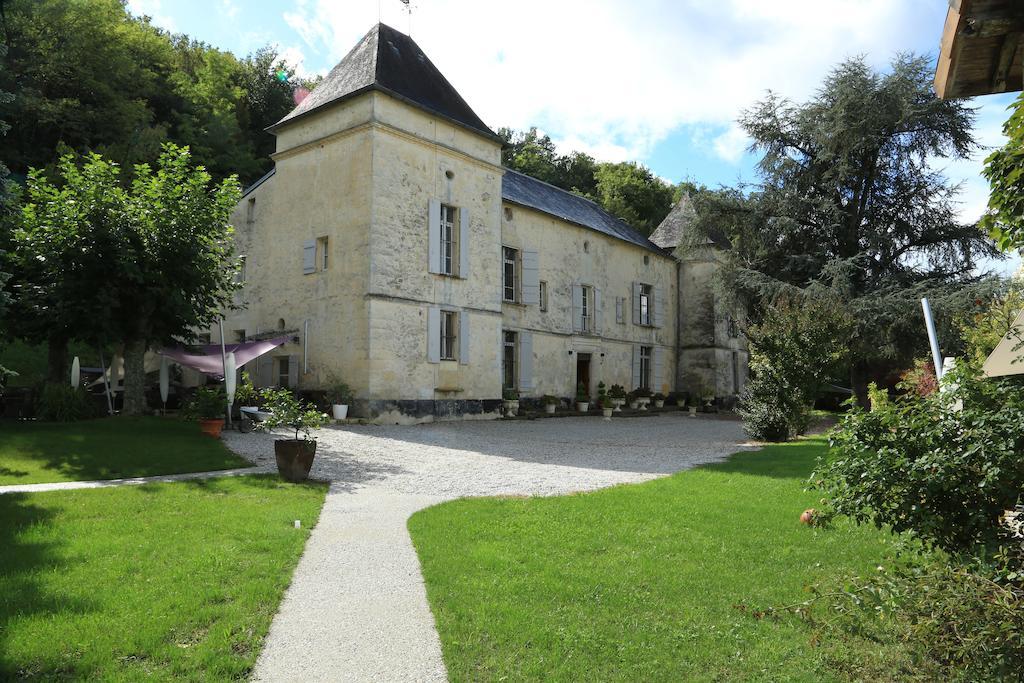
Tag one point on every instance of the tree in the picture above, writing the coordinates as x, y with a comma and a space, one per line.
850, 207
179, 269
1004, 170
634, 194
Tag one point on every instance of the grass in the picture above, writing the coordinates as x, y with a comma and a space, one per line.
162, 581
108, 448
655, 581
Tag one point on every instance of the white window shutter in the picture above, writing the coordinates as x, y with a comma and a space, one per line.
308, 257
464, 338
293, 371
598, 311
530, 277
525, 361
637, 291
463, 242
657, 376
577, 308
264, 371
434, 236
659, 306
434, 335
636, 366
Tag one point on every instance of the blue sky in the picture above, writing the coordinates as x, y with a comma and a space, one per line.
657, 81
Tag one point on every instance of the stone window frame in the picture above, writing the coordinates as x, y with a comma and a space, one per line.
449, 330
646, 364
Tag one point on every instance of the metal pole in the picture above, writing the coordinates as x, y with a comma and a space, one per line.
106, 384
224, 361
305, 346
933, 339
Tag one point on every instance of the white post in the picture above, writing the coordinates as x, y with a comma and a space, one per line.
106, 384
224, 361
933, 338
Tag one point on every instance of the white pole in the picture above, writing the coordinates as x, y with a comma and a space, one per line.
933, 339
106, 384
224, 360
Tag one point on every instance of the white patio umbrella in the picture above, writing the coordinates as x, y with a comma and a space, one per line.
76, 372
165, 380
230, 377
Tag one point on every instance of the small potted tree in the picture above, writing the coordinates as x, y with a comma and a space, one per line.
510, 402
582, 400
208, 406
246, 395
294, 456
617, 394
643, 397
550, 403
659, 400
339, 396
602, 394
607, 408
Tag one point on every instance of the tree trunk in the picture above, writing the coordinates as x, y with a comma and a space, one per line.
859, 383
134, 378
57, 360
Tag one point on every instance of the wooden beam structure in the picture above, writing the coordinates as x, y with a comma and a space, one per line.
980, 52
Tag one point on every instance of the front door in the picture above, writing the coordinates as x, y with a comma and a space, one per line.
583, 371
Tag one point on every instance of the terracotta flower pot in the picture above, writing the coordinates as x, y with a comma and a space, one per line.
294, 458
212, 427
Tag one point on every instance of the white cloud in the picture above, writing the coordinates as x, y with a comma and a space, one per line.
155, 10
229, 8
732, 144
294, 57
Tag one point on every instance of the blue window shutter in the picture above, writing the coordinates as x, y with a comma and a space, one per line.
463, 242
657, 371
293, 371
525, 361
598, 311
636, 366
637, 291
577, 308
434, 236
659, 307
434, 334
308, 257
464, 338
530, 277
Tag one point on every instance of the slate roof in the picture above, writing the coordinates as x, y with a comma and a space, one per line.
523, 190
675, 229
391, 62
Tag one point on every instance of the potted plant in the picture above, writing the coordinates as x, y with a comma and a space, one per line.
294, 456
659, 400
246, 395
607, 408
643, 397
550, 403
618, 396
208, 406
582, 400
510, 402
602, 394
339, 396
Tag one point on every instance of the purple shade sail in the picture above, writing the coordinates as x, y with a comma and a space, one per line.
209, 362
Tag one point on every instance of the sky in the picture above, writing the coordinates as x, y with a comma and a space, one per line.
655, 81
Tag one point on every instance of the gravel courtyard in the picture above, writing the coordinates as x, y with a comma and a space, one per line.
357, 608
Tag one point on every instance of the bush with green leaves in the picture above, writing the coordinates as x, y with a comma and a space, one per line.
794, 350
65, 403
208, 403
943, 467
288, 411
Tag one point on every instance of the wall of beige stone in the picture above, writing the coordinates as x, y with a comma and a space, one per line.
569, 254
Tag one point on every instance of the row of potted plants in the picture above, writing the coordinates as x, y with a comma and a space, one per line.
609, 400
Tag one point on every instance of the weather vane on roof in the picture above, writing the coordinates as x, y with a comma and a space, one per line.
408, 12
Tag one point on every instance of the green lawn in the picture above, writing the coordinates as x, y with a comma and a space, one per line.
158, 582
643, 582
109, 448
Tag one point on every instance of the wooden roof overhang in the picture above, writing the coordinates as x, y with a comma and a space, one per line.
981, 50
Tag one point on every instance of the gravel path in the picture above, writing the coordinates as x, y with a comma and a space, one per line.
357, 608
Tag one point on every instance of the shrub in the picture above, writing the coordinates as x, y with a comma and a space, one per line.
208, 403
617, 391
943, 467
581, 393
245, 392
921, 378
338, 393
796, 347
288, 411
509, 394
64, 403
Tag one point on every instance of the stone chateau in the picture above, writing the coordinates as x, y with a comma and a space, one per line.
403, 259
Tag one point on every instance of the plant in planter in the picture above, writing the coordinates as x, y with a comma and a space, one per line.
617, 394
510, 402
643, 397
294, 456
582, 400
607, 407
659, 400
602, 393
208, 406
339, 396
550, 403
246, 395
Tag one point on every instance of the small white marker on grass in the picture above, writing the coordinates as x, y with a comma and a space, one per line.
298, 524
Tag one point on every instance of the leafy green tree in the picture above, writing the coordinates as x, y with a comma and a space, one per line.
634, 194
531, 153
1004, 170
849, 206
179, 269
